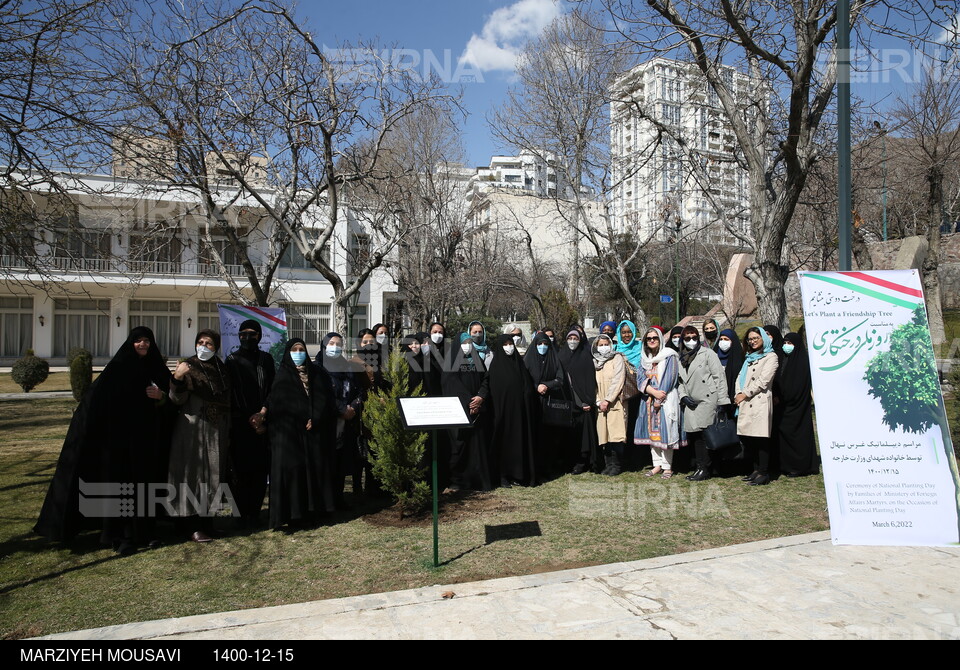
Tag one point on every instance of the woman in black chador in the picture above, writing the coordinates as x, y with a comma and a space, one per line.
798, 451
119, 433
470, 465
508, 393
582, 450
548, 380
301, 420
251, 374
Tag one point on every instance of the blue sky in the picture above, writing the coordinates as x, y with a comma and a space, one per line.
494, 30
476, 43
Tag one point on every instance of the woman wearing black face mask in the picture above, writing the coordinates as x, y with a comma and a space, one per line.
703, 389
251, 374
711, 333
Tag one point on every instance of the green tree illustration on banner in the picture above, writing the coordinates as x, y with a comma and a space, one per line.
904, 380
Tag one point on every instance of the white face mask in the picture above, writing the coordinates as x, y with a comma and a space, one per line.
381, 338
465, 348
690, 344
203, 353
424, 349
332, 350
573, 344
604, 349
437, 337
508, 350
724, 345
516, 339
676, 341
788, 349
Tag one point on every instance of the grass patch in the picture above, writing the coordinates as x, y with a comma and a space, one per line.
580, 521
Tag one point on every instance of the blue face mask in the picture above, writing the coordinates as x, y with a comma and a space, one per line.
298, 357
788, 349
542, 349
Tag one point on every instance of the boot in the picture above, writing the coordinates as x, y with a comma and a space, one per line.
612, 460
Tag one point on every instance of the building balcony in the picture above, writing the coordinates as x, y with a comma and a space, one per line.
118, 266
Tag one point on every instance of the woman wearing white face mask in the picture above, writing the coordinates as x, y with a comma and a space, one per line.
730, 353
703, 389
198, 450
610, 370
507, 392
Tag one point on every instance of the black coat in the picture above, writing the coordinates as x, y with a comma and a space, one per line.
301, 480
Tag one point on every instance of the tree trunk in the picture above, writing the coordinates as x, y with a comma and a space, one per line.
769, 278
931, 264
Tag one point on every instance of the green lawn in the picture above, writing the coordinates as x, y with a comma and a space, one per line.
581, 521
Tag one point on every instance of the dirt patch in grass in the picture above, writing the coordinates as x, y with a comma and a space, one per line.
453, 507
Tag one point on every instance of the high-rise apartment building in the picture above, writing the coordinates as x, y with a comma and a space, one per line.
675, 157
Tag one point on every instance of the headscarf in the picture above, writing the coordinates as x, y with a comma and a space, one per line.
687, 355
212, 334
633, 350
467, 359
793, 375
612, 324
509, 328
754, 355
208, 379
542, 367
291, 368
735, 353
599, 360
712, 345
480, 346
777, 340
676, 330
646, 359
578, 364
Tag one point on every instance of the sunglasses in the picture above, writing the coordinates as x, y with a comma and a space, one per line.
690, 339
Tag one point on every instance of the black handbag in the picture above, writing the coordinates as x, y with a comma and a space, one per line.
557, 412
722, 434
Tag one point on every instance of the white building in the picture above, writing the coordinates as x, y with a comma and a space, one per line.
118, 253
657, 183
528, 172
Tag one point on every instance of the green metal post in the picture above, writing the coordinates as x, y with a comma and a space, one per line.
843, 135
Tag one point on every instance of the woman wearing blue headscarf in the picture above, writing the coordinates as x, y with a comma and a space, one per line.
754, 401
631, 347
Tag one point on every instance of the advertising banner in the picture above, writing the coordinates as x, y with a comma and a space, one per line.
273, 323
888, 464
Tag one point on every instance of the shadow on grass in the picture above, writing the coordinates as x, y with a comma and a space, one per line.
508, 531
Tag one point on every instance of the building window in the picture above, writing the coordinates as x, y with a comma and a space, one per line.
163, 318
228, 252
309, 322
208, 316
359, 320
359, 253
158, 251
16, 326
79, 322
295, 260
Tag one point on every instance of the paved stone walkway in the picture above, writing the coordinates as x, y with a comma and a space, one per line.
798, 587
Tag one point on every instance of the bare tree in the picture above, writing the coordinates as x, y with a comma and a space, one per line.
249, 108
930, 121
51, 114
558, 111
783, 47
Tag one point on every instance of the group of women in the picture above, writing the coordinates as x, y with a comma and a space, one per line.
572, 405
208, 436
214, 432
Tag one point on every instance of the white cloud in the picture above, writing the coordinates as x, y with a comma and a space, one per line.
506, 31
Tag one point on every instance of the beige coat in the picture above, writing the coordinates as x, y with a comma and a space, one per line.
755, 418
612, 426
